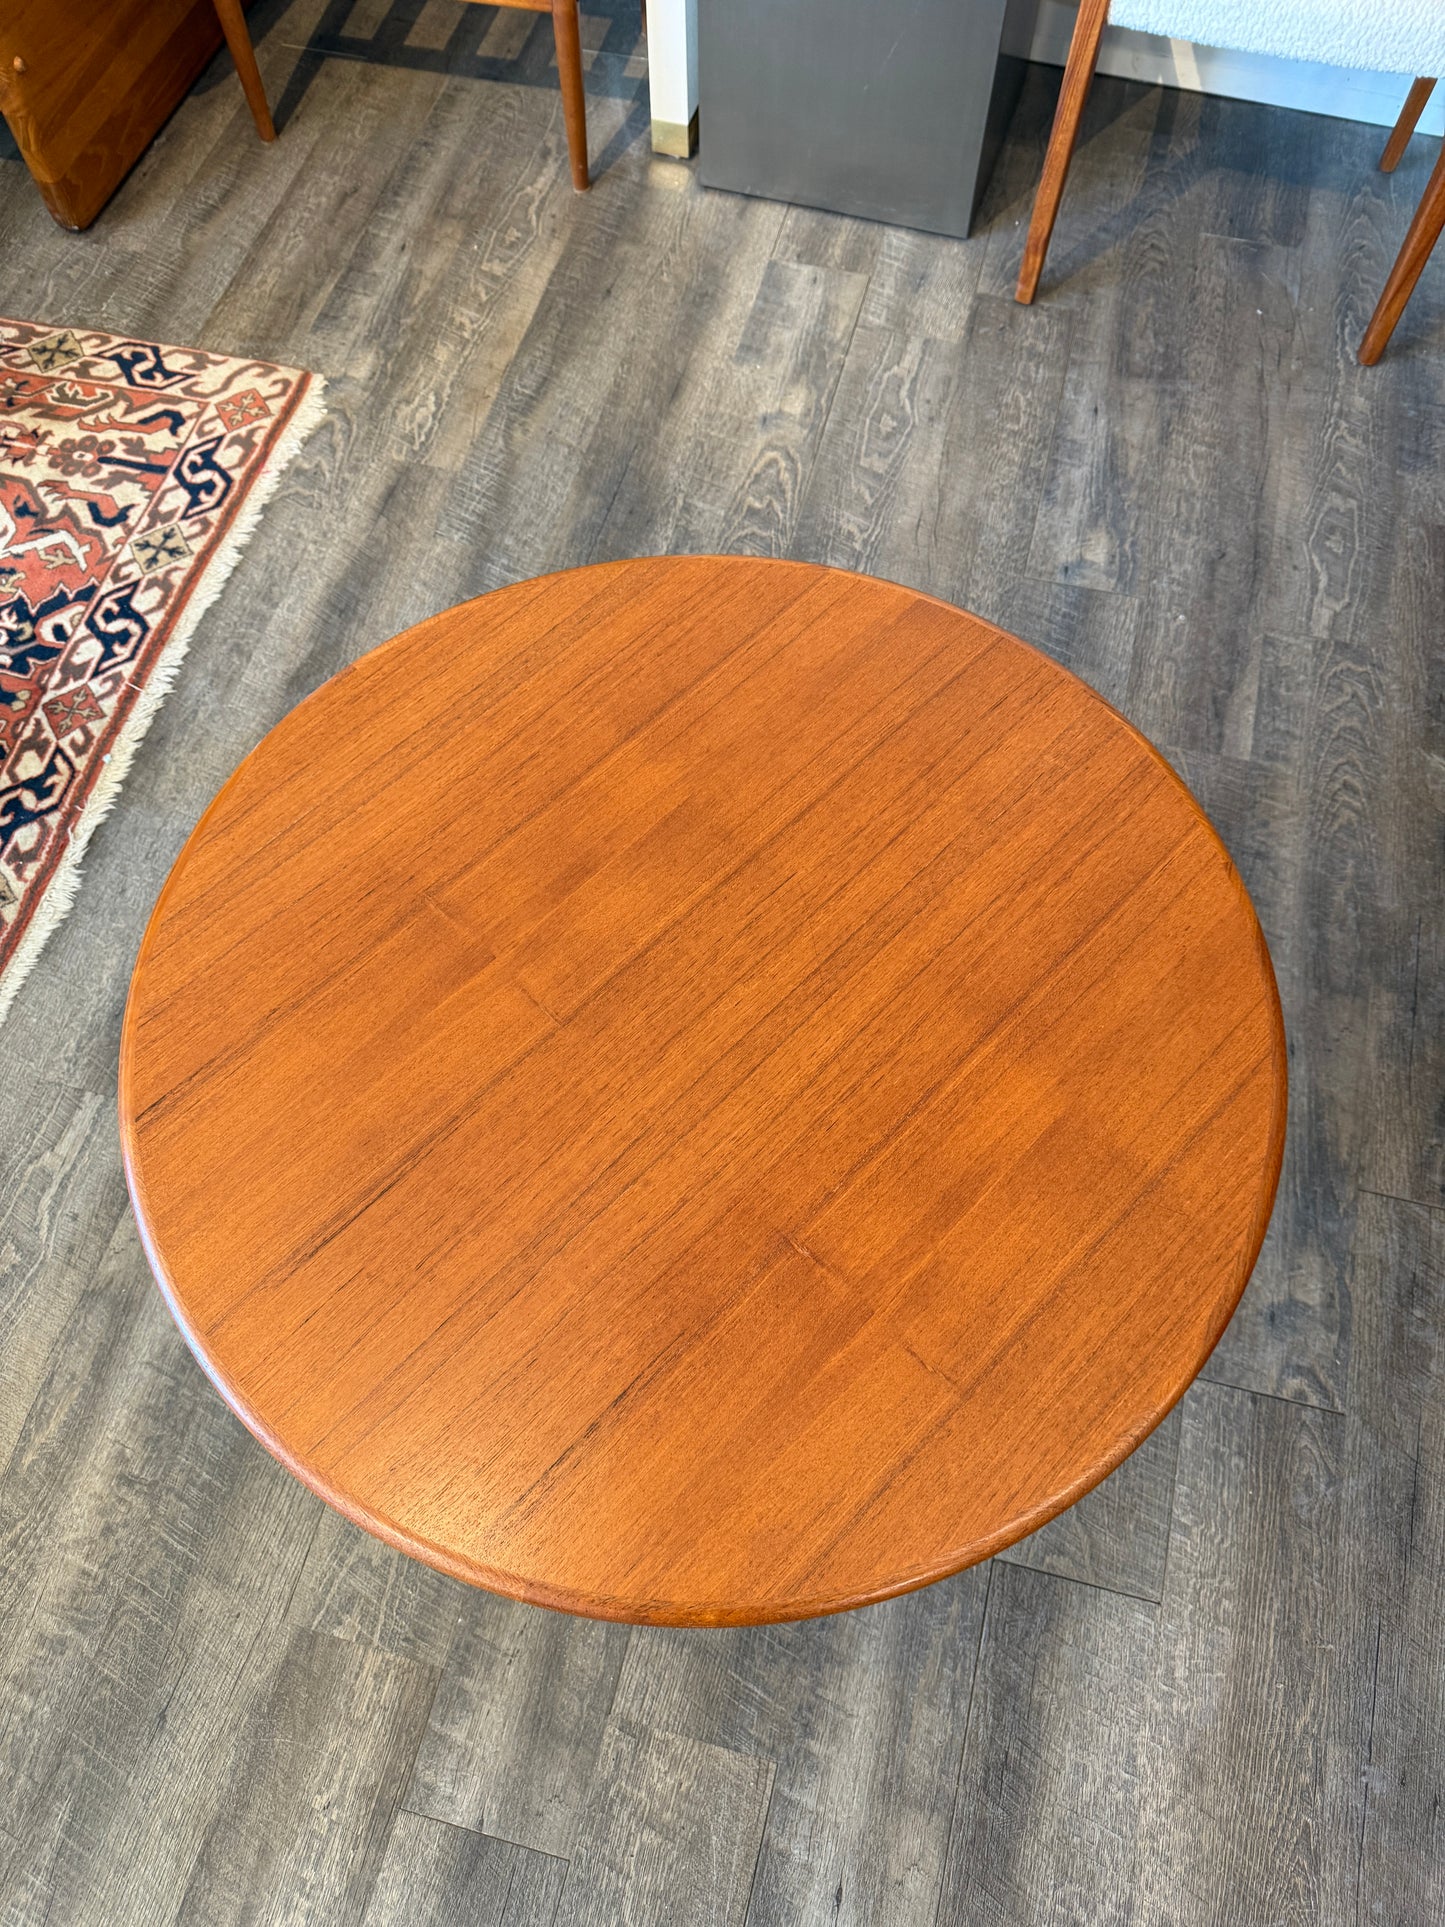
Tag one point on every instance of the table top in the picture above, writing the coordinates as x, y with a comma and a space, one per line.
703, 1090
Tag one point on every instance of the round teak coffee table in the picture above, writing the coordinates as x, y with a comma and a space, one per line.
703, 1090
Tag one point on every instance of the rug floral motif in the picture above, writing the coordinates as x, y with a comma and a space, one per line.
130, 474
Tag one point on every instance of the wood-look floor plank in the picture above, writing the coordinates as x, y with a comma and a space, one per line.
1257, 199
1402, 1844
814, 238
1000, 435
515, 1732
1206, 600
435, 1875
671, 1834
1122, 263
907, 410
1406, 895
1047, 1815
643, 282
412, 233
444, 284
281, 285
1407, 1157
149, 1547
354, 1587
1392, 1597
61, 1201
922, 285
318, 1763
863, 1716
1244, 1769
872, 504
735, 440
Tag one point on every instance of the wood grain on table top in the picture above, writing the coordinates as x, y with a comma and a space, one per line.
703, 1090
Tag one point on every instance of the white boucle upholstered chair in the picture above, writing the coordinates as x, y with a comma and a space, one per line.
1389, 36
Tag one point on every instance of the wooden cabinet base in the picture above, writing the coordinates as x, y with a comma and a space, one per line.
85, 89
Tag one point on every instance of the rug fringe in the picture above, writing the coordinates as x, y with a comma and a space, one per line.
61, 890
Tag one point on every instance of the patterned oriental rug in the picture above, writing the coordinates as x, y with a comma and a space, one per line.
131, 474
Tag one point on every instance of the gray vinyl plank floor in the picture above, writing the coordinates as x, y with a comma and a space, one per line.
1214, 1692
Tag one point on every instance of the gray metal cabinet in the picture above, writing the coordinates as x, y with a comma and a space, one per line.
892, 109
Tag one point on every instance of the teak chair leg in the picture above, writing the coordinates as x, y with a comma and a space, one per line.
574, 98
1083, 52
1420, 91
1424, 232
238, 39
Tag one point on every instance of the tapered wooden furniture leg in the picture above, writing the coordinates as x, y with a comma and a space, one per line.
1083, 52
238, 39
1420, 91
1424, 233
574, 98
